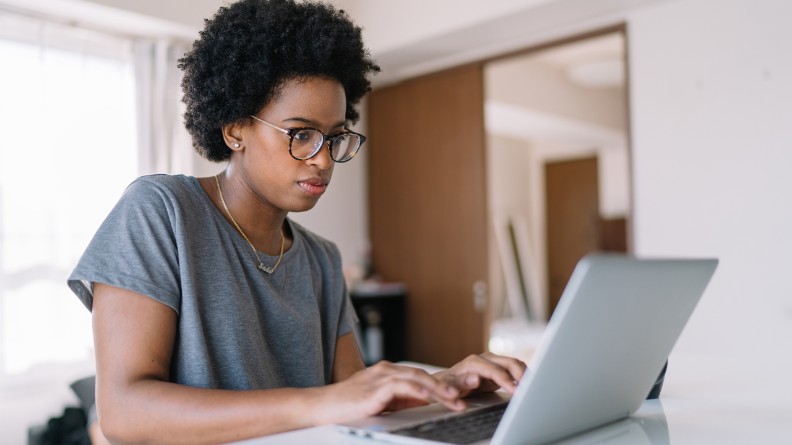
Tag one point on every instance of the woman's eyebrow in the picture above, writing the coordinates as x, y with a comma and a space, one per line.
313, 123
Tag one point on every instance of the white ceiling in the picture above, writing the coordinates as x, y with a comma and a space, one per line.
545, 22
566, 99
597, 62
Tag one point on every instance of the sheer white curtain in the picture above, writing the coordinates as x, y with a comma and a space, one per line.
82, 114
68, 149
165, 145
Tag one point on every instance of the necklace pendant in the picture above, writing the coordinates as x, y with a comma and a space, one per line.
264, 268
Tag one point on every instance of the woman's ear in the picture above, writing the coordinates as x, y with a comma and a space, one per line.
232, 135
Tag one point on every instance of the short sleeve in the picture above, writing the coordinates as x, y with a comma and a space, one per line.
134, 248
348, 318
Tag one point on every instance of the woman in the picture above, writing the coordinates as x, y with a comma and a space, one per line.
216, 318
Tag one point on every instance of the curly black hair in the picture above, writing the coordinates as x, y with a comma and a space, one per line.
250, 48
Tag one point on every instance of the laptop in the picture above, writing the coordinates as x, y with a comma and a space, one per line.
608, 339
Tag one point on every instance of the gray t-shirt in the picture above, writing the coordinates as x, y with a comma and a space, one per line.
238, 327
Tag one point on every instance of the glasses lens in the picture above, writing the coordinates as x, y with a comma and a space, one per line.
305, 143
345, 145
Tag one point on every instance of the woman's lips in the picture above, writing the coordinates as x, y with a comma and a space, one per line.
313, 186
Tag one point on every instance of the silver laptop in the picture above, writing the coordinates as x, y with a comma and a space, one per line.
601, 353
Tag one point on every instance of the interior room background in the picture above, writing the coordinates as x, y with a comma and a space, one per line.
708, 104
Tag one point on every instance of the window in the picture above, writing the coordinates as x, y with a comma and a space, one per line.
68, 148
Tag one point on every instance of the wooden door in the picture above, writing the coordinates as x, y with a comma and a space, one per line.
573, 229
427, 206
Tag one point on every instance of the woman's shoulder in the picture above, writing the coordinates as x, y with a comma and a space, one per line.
314, 242
162, 186
164, 182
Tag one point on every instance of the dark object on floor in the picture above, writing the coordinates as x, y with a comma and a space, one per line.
71, 427
68, 429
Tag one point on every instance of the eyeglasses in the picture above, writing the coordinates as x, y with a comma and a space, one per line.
305, 142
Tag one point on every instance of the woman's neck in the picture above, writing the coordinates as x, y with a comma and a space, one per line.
243, 208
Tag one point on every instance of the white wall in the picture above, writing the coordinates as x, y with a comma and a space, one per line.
186, 12
712, 152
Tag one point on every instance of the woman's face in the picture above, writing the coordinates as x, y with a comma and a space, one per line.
276, 179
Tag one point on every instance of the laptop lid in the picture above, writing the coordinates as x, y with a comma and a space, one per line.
610, 335
614, 326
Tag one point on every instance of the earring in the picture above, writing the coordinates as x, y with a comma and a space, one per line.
236, 144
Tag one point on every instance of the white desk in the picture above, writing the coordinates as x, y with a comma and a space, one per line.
704, 401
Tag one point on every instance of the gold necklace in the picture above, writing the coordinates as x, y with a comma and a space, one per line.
261, 265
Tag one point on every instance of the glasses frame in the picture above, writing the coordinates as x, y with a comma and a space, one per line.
328, 138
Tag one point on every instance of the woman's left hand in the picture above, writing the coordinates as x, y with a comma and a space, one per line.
484, 373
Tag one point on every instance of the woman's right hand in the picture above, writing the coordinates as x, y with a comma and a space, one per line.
383, 387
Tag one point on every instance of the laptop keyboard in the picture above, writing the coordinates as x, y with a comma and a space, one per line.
460, 429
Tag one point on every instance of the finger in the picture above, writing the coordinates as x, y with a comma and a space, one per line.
407, 388
467, 381
493, 371
441, 387
470, 380
514, 366
431, 388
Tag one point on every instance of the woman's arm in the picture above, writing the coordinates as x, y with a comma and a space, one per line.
347, 358
134, 338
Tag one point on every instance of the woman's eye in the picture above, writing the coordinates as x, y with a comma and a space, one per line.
302, 136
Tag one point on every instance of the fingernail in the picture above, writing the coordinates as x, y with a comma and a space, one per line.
471, 380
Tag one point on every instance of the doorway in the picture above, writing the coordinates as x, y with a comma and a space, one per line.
557, 128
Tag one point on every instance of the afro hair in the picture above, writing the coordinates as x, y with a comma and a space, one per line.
251, 47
